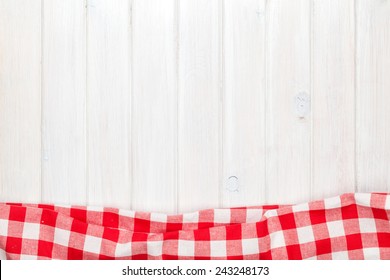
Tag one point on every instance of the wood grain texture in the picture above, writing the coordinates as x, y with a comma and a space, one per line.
63, 102
372, 89
109, 103
154, 105
199, 104
333, 95
20, 100
288, 73
244, 103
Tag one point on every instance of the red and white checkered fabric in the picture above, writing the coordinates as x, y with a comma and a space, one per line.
350, 226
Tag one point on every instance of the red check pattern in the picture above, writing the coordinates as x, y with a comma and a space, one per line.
350, 226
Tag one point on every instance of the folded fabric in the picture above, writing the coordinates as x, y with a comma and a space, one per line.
350, 226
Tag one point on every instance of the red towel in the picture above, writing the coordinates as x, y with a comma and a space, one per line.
350, 226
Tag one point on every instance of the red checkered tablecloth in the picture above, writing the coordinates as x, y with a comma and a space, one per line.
350, 226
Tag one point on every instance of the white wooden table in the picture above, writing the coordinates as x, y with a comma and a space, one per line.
178, 105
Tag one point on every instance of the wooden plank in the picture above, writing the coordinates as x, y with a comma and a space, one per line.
199, 104
288, 74
333, 98
154, 105
244, 107
20, 100
63, 102
372, 88
109, 103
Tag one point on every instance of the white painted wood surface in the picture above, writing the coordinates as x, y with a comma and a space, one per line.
20, 100
109, 102
154, 105
333, 97
63, 102
199, 124
178, 105
373, 95
244, 96
288, 74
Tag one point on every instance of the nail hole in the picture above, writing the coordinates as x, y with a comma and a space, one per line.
232, 184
